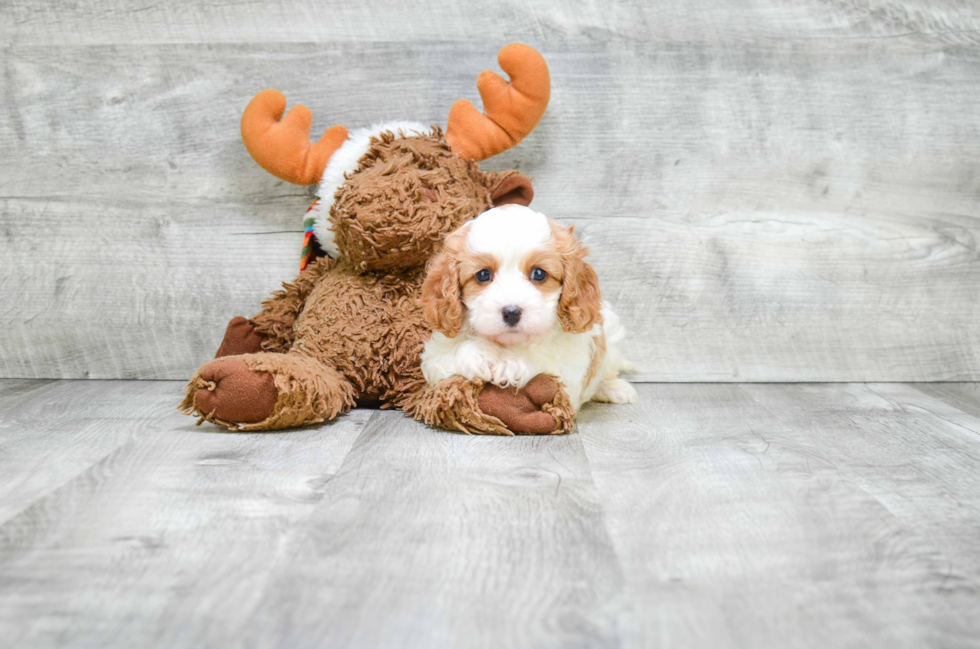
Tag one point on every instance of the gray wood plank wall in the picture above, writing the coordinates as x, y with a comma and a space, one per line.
773, 191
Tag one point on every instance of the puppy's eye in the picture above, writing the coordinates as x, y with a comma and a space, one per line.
484, 276
538, 274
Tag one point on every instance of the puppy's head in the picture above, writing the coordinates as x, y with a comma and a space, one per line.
510, 275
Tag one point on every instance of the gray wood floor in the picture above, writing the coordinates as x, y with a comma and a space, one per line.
708, 515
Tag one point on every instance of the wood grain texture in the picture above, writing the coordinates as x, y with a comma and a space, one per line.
920, 464
963, 396
762, 207
188, 536
696, 304
715, 515
452, 540
790, 516
137, 21
956, 403
52, 432
149, 531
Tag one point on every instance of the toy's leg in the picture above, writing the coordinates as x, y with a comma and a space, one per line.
279, 312
267, 391
541, 407
271, 329
453, 404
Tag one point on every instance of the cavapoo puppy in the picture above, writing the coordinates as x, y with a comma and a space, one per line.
510, 297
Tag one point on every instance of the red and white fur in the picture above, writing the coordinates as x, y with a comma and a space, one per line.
510, 297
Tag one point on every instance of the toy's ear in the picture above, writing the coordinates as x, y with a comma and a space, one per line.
514, 189
442, 296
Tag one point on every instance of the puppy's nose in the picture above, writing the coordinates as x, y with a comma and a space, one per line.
512, 315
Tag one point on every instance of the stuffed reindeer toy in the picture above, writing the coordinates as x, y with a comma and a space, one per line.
349, 330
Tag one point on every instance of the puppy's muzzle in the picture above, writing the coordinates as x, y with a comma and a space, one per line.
511, 315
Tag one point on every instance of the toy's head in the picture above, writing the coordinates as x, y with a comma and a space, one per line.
389, 194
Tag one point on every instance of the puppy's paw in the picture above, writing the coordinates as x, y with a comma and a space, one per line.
616, 391
511, 372
475, 366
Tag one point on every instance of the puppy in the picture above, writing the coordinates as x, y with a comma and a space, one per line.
510, 297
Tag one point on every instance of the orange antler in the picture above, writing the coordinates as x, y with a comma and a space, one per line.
283, 148
512, 109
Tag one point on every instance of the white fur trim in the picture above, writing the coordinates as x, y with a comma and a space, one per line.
345, 161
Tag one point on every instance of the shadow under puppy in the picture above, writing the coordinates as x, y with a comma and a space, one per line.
510, 297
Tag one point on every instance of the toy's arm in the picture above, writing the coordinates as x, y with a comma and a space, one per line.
271, 329
456, 403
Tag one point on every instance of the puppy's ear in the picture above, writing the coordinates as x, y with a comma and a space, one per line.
442, 297
580, 303
513, 189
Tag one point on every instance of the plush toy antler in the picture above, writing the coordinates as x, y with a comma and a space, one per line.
512, 109
283, 148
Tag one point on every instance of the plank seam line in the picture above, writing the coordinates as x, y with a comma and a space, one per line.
904, 408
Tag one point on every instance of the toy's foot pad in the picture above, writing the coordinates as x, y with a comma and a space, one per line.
520, 410
241, 337
232, 392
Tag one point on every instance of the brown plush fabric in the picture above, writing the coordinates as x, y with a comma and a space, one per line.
241, 337
515, 190
454, 405
541, 408
383, 219
541, 389
352, 330
537, 410
563, 412
266, 392
226, 389
309, 391
278, 315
